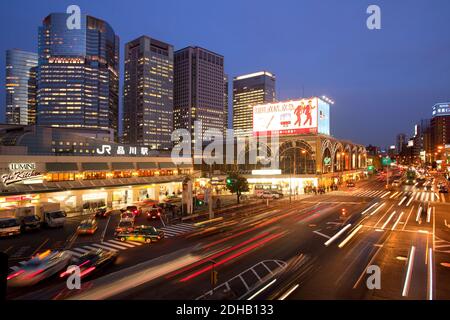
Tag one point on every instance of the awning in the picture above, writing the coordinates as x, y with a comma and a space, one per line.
167, 165
122, 165
61, 166
95, 166
147, 165
185, 165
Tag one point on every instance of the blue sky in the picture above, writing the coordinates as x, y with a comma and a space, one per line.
383, 81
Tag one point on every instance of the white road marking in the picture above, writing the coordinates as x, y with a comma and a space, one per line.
409, 201
387, 221
409, 271
381, 206
398, 220
76, 254
129, 245
384, 195
104, 247
401, 201
430, 274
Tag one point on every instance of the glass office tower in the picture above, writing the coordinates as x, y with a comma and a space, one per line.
20, 87
78, 74
148, 93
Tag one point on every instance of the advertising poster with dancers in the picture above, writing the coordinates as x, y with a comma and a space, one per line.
288, 117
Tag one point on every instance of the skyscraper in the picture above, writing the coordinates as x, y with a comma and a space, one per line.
225, 103
148, 93
249, 90
21, 87
401, 143
78, 74
199, 89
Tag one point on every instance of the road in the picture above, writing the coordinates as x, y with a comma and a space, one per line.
316, 247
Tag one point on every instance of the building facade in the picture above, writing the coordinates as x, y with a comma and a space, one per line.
21, 87
79, 170
199, 90
78, 74
250, 90
148, 93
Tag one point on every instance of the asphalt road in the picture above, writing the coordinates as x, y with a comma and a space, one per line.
316, 247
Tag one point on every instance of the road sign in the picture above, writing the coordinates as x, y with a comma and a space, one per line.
386, 161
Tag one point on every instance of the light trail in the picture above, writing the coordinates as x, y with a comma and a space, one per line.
216, 255
377, 209
237, 254
369, 208
284, 296
262, 289
337, 235
350, 236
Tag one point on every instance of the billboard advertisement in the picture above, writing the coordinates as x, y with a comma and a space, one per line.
305, 116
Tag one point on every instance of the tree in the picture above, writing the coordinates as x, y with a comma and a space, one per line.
237, 184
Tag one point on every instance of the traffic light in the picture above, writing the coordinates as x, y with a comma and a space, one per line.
229, 181
214, 277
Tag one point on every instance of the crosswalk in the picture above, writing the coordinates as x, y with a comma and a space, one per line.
116, 245
427, 196
442, 245
177, 229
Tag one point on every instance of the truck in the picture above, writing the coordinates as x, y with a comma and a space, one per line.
49, 214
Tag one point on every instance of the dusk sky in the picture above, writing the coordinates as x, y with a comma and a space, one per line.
383, 81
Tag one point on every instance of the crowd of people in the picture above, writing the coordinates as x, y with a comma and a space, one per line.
320, 189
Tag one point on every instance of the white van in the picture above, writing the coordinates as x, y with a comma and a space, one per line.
9, 227
54, 219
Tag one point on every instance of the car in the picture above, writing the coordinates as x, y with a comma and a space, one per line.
147, 234
443, 189
39, 268
350, 184
172, 199
134, 210
153, 213
151, 230
102, 212
91, 262
396, 183
270, 195
88, 226
124, 226
168, 207
127, 215
9, 227
30, 223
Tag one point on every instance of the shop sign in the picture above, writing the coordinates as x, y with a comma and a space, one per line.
21, 173
107, 149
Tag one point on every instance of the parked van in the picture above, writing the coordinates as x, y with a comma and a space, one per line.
54, 219
9, 227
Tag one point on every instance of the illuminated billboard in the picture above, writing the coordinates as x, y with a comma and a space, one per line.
305, 116
441, 109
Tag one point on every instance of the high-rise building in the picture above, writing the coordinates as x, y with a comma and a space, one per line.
78, 74
148, 93
199, 90
225, 103
250, 90
21, 87
401, 143
440, 125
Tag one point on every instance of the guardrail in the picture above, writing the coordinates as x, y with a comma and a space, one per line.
225, 289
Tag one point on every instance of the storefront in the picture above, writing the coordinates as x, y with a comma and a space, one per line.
81, 185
